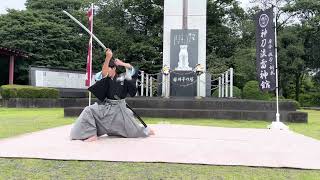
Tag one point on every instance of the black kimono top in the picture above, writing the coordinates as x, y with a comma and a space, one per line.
113, 88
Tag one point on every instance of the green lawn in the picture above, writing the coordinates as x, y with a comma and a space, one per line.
18, 121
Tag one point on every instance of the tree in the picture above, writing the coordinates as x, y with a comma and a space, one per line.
308, 12
223, 38
292, 65
137, 26
131, 28
51, 38
244, 66
283, 16
49, 41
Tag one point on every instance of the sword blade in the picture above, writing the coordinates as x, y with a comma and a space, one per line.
86, 29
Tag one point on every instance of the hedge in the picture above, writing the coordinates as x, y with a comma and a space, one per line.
21, 91
310, 99
236, 92
251, 90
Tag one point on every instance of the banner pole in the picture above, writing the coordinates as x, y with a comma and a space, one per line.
277, 124
276, 59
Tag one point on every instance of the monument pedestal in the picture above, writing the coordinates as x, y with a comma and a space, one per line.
183, 83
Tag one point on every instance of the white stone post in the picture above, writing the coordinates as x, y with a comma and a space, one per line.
167, 85
151, 94
137, 86
227, 81
219, 87
142, 82
147, 84
222, 87
231, 82
198, 86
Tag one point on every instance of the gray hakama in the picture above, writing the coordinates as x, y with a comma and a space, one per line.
111, 117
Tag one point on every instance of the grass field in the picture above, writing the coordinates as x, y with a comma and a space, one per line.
19, 121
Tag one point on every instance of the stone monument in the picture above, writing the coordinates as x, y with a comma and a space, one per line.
184, 46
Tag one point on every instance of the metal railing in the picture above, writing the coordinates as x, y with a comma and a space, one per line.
148, 84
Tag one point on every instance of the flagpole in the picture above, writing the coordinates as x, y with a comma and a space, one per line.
276, 59
90, 72
277, 124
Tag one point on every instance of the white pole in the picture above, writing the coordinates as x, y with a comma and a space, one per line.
151, 94
164, 85
222, 87
276, 59
147, 84
167, 85
142, 82
86, 29
277, 124
227, 81
137, 87
219, 87
231, 82
89, 98
198, 86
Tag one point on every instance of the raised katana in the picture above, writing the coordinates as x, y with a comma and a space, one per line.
129, 73
86, 29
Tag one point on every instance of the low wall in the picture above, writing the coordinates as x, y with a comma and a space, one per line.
237, 109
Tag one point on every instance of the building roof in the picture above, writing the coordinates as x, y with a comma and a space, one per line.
12, 52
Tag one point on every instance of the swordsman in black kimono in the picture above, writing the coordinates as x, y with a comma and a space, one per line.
111, 116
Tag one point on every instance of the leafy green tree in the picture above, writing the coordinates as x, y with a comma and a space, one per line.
244, 66
292, 66
133, 30
308, 12
223, 36
49, 42
53, 5
47, 34
251, 91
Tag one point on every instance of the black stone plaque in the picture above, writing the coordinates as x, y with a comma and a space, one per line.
183, 83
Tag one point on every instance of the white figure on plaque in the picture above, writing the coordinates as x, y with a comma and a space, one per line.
183, 63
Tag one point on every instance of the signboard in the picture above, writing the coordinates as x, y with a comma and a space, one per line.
44, 77
265, 54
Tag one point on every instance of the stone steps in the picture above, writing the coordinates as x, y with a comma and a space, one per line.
140, 102
287, 116
191, 103
179, 107
209, 103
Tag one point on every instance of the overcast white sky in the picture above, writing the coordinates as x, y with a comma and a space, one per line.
19, 4
11, 4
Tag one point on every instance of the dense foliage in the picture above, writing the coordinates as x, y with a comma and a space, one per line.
251, 91
133, 29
